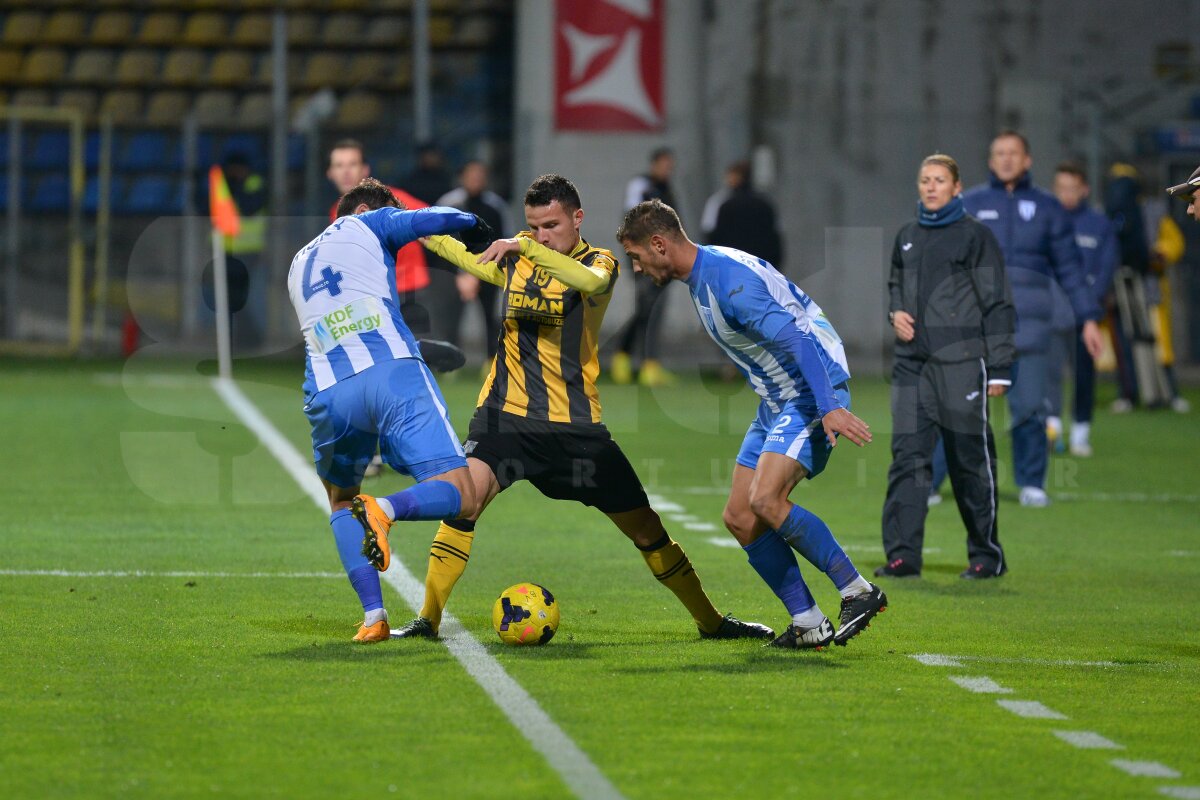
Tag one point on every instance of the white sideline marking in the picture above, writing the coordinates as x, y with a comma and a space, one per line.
141, 573
1088, 740
559, 750
699, 526
665, 506
156, 380
1144, 769
683, 517
1129, 497
1031, 709
1183, 553
724, 541
935, 660
980, 685
1181, 792
956, 661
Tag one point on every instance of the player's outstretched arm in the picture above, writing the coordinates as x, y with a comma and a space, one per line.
457, 254
579, 276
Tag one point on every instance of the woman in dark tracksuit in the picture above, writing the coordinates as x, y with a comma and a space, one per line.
952, 312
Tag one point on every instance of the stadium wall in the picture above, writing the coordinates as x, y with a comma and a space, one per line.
857, 93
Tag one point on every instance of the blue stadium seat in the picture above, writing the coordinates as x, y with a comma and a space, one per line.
50, 150
3, 193
49, 195
4, 148
297, 153
152, 195
249, 145
91, 150
91, 194
146, 151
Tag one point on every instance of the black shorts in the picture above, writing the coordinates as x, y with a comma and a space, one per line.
564, 461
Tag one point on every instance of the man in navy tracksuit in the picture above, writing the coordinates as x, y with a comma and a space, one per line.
1096, 238
1038, 242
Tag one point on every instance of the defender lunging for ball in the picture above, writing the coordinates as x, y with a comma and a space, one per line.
539, 411
792, 357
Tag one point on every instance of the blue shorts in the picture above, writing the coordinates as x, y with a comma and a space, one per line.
794, 431
395, 407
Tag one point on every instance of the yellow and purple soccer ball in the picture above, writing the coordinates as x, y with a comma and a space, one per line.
525, 614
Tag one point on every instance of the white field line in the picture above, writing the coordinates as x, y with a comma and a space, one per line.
699, 526
979, 685
1145, 769
1088, 740
1180, 792
154, 380
559, 750
941, 660
1104, 497
142, 573
1031, 709
1128, 497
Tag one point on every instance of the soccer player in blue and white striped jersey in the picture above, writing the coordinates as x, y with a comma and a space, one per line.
793, 359
367, 386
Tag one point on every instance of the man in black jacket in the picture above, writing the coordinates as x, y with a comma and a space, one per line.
740, 217
952, 312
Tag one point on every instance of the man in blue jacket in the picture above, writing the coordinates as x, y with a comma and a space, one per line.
1038, 242
1096, 238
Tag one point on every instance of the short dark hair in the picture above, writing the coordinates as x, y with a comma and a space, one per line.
1072, 168
1013, 133
648, 218
661, 152
548, 188
369, 191
349, 144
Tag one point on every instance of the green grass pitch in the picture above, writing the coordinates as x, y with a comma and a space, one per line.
240, 679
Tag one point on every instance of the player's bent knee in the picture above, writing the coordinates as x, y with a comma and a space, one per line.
768, 508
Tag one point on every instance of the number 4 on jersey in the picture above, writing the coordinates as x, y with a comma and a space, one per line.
330, 281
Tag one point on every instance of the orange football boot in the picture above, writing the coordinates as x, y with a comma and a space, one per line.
370, 634
375, 531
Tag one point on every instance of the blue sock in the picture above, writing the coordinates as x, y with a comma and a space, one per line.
427, 500
348, 535
776, 564
812, 538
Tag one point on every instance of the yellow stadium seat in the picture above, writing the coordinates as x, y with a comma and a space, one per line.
82, 99
23, 27
441, 30
368, 68
214, 107
301, 28
324, 70
231, 68
161, 27
360, 110
167, 108
254, 109
391, 31
112, 27
64, 27
31, 97
350, 5
10, 65
183, 67
474, 32
123, 105
252, 30
93, 66
136, 67
44, 65
341, 29
399, 73
205, 28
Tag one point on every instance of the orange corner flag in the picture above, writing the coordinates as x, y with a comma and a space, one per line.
221, 207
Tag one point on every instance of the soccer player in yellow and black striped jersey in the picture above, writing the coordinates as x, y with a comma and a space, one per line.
538, 415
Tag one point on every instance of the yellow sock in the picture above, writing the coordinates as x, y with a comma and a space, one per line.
447, 561
671, 566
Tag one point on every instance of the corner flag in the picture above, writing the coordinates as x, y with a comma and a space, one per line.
221, 207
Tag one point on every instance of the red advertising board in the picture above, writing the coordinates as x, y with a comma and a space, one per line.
608, 65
